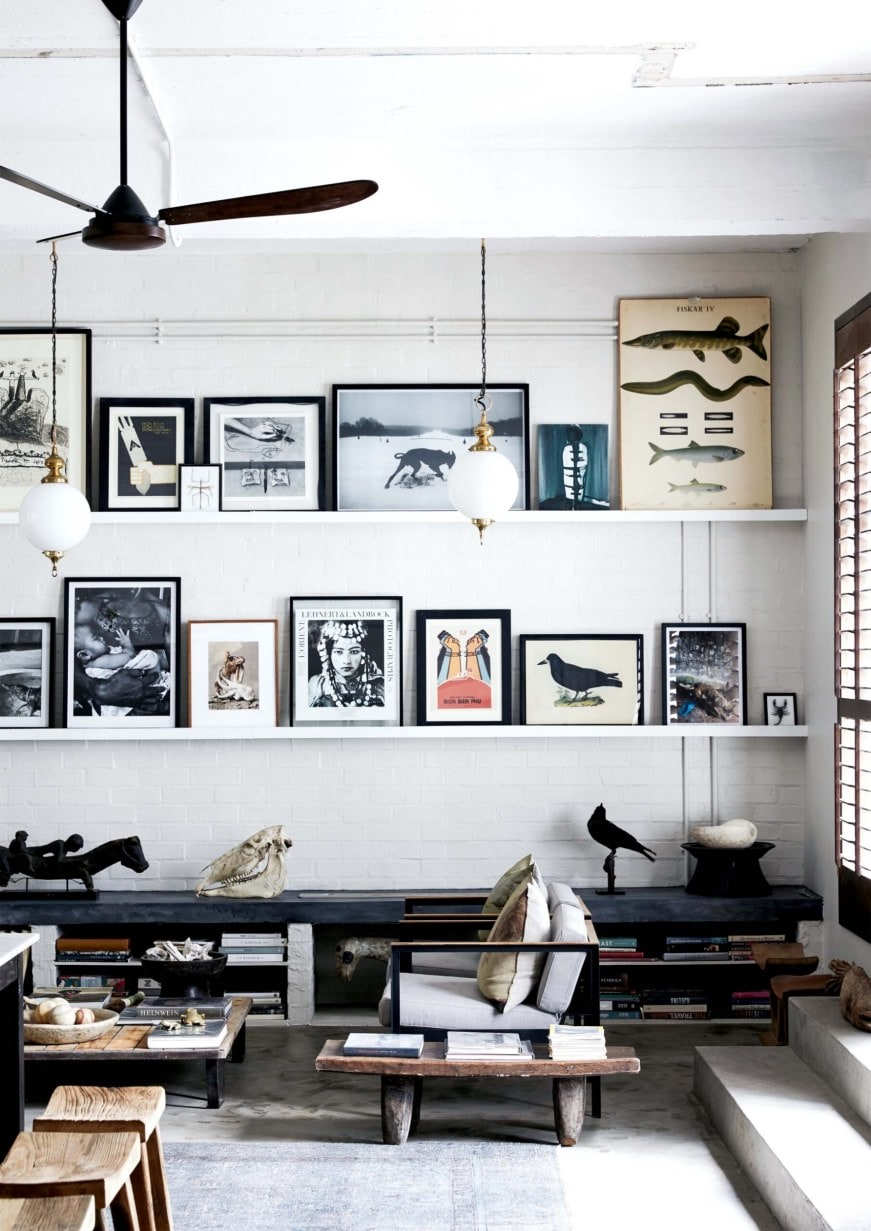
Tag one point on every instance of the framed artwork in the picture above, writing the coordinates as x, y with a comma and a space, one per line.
695, 403
26, 659
704, 673
781, 709
577, 679
199, 489
121, 652
573, 466
463, 667
233, 673
346, 656
270, 451
143, 441
394, 445
25, 408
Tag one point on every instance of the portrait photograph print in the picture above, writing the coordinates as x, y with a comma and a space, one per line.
233, 673
695, 403
143, 442
463, 667
26, 661
704, 673
780, 709
576, 679
121, 642
573, 466
25, 408
394, 445
346, 656
270, 450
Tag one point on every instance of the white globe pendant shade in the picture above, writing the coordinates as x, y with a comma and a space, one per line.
482, 484
54, 517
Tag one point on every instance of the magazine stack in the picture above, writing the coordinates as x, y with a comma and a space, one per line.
576, 1043
486, 1045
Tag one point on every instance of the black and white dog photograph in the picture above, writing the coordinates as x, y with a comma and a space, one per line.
395, 445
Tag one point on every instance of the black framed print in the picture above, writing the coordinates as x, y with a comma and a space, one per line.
25, 422
704, 673
346, 656
394, 445
573, 466
26, 661
270, 450
781, 709
199, 489
143, 442
463, 667
233, 673
121, 647
577, 679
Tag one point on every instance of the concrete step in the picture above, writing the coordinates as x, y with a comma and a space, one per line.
834, 1049
803, 1147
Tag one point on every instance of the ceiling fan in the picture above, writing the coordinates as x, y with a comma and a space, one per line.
124, 223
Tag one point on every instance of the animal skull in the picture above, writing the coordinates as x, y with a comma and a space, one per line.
256, 868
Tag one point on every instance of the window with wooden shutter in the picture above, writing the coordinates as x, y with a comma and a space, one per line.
853, 617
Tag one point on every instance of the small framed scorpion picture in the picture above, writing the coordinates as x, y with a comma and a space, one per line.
780, 709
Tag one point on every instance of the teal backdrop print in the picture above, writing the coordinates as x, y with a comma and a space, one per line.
573, 466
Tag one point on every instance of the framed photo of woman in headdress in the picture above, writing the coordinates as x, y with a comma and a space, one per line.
346, 662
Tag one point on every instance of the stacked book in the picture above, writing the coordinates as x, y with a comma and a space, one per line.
619, 948
85, 982
160, 1008
264, 1003
92, 949
675, 1005
383, 1045
210, 1034
486, 1045
576, 1043
740, 944
92, 997
619, 1005
753, 1003
697, 949
616, 981
247, 948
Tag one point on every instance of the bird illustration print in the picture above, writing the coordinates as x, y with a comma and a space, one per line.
576, 683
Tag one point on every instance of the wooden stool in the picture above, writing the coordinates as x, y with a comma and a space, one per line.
46, 1213
76, 1164
130, 1109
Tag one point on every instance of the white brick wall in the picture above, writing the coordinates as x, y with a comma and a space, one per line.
426, 811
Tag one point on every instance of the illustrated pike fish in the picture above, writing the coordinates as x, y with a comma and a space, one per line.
696, 486
697, 453
725, 338
668, 384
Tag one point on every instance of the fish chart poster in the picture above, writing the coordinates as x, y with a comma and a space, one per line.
695, 403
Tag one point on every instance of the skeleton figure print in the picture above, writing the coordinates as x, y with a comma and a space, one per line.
349, 674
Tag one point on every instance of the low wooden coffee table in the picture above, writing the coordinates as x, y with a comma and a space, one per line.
402, 1081
127, 1043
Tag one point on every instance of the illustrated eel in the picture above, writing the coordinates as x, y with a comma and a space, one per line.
669, 383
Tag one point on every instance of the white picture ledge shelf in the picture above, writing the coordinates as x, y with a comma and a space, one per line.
531, 517
482, 731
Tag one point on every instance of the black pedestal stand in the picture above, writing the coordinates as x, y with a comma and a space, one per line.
608, 867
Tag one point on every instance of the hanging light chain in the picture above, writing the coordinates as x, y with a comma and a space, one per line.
483, 393
54, 345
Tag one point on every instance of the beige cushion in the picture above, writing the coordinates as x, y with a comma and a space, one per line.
508, 978
439, 1002
506, 884
561, 970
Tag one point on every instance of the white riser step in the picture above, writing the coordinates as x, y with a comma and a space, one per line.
834, 1049
804, 1149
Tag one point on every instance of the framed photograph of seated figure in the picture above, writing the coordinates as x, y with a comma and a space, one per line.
270, 451
26, 663
463, 667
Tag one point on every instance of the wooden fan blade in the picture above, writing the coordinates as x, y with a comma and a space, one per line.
24, 181
267, 204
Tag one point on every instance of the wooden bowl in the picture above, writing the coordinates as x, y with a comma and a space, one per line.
48, 1032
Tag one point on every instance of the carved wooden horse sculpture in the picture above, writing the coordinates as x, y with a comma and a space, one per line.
53, 862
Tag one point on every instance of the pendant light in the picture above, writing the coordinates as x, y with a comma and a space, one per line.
54, 515
482, 483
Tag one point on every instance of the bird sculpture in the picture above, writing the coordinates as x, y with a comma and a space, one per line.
602, 830
579, 680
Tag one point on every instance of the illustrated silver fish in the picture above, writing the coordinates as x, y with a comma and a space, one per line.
697, 453
696, 486
725, 338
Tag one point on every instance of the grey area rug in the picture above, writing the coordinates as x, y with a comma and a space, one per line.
317, 1186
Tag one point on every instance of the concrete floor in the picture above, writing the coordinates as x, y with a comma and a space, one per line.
653, 1160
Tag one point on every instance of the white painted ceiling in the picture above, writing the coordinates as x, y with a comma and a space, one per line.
556, 123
